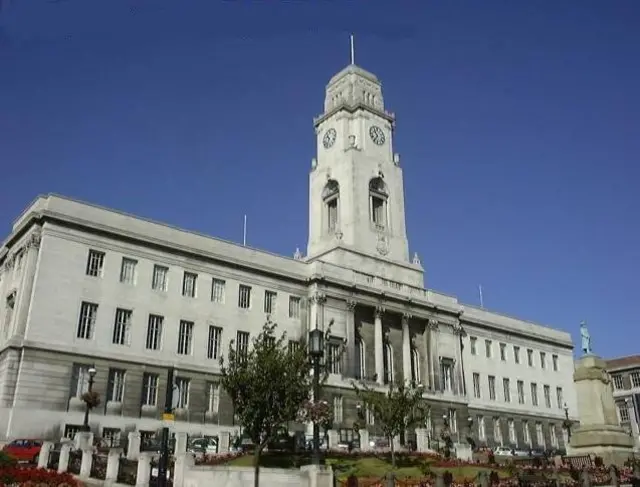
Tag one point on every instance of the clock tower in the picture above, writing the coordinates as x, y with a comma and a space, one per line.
356, 192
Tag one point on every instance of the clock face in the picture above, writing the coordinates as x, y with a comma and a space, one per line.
376, 134
329, 138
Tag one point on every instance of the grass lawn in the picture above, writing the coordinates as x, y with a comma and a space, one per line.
406, 466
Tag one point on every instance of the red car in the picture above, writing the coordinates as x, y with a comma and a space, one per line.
23, 450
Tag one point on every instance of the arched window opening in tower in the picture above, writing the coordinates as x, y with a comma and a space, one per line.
378, 197
331, 197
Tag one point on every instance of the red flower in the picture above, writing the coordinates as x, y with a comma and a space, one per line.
25, 476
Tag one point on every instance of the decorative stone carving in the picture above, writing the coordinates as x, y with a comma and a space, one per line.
432, 324
297, 255
385, 333
352, 141
413, 340
379, 311
406, 316
34, 240
383, 244
318, 298
338, 235
458, 329
416, 259
351, 305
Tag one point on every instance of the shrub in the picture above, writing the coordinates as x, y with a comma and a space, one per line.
11, 476
6, 460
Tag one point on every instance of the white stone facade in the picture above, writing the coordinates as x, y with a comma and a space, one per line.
83, 285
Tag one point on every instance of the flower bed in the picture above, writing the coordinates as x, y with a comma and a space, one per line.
24, 476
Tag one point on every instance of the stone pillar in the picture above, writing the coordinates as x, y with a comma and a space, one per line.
351, 368
333, 438
422, 439
83, 440
181, 443
26, 282
143, 475
63, 462
364, 440
45, 451
133, 449
379, 344
85, 466
458, 386
113, 465
182, 465
316, 312
434, 359
224, 442
406, 348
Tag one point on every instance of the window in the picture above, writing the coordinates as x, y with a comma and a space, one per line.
492, 388
213, 396
185, 337
534, 394
559, 398
530, 357
182, 385
503, 352
487, 348
242, 342
554, 361
553, 432
95, 263
330, 196
520, 386
512, 432
617, 381
149, 389
217, 290
623, 412
294, 307
294, 346
244, 296
111, 437
447, 375
371, 419
453, 420
122, 327
506, 387
378, 202
332, 214
87, 321
333, 358
337, 409
361, 371
189, 283
415, 366
80, 380
270, 298
526, 432
635, 379
128, 271
214, 342
159, 282
482, 433
546, 390
115, 387
543, 360
387, 361
473, 341
540, 435
497, 431
154, 332
476, 385
516, 354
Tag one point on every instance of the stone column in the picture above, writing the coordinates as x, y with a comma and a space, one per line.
364, 439
113, 465
133, 448
458, 386
26, 282
83, 440
351, 366
183, 464
63, 461
316, 311
85, 465
434, 359
45, 451
143, 475
406, 348
181, 443
378, 344
224, 442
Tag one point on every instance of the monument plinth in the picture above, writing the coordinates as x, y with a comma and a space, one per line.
599, 432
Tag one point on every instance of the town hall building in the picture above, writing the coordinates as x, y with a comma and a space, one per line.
88, 288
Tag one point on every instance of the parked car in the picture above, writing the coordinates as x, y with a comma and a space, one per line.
503, 451
24, 450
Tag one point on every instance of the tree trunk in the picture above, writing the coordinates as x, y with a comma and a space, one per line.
393, 453
256, 466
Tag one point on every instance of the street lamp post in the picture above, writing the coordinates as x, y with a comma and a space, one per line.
316, 351
92, 374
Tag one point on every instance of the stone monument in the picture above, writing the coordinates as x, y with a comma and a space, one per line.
599, 432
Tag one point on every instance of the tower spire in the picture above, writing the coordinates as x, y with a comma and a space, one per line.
353, 51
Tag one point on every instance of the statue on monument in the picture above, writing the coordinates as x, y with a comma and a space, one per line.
586, 339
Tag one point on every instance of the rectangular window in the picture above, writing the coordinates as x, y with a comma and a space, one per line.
270, 299
492, 388
294, 307
95, 263
546, 390
617, 381
337, 409
217, 290
482, 433
333, 358
185, 337
244, 296
503, 352
160, 278
182, 385
520, 386
623, 412
497, 431
214, 343
213, 393
635, 379
242, 343
516, 354
128, 271
512, 432
122, 327
540, 435
530, 357
378, 211
447, 375
554, 435
506, 387
534, 394
332, 215
543, 360
115, 386
87, 320
149, 389
487, 348
473, 341
526, 433
293, 346
80, 380
476, 385
154, 332
559, 398
189, 283
554, 360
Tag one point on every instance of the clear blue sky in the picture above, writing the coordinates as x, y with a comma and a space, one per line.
518, 127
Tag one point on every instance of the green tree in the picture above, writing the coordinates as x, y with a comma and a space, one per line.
396, 411
268, 383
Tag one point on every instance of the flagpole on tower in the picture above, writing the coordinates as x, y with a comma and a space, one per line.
353, 51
